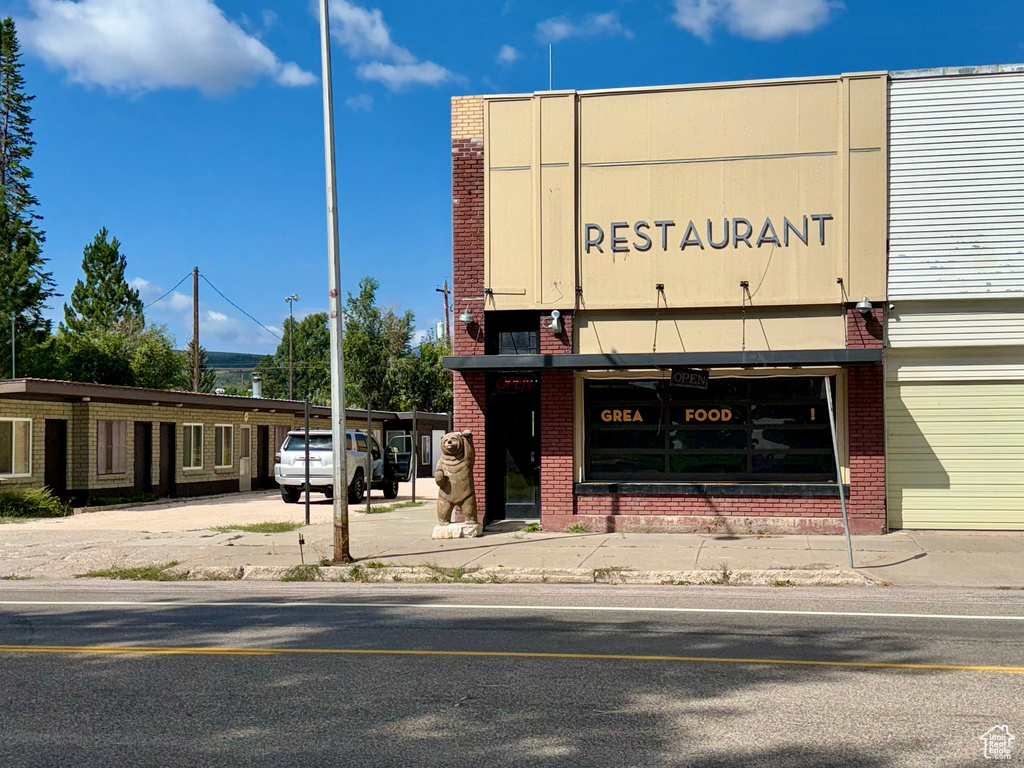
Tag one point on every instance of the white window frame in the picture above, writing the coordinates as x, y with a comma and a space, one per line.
218, 456
425, 449
184, 458
12, 421
116, 467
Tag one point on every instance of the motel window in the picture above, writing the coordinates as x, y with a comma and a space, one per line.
111, 447
15, 447
425, 449
192, 447
223, 444
738, 430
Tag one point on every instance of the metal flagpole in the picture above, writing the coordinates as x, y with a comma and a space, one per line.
306, 414
369, 456
338, 431
839, 471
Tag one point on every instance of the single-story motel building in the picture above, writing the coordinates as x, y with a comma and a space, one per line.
93, 441
664, 292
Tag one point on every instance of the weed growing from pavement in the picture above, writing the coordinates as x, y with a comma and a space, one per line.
14, 577
440, 574
578, 528
375, 564
155, 572
530, 528
643, 528
724, 574
612, 574
382, 508
782, 583
264, 527
303, 573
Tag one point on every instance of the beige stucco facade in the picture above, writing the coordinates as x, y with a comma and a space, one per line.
594, 199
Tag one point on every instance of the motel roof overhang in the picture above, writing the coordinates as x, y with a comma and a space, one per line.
72, 392
664, 360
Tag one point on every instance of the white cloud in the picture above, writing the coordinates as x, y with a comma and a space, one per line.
507, 55
399, 76
561, 27
754, 19
361, 103
143, 45
217, 317
365, 37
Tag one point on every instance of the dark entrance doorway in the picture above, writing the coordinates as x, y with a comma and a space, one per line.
513, 429
55, 468
168, 460
263, 477
144, 456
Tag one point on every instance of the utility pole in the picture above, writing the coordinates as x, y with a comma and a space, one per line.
291, 340
195, 329
338, 430
447, 327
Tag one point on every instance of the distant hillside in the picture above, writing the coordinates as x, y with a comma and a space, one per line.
222, 360
233, 368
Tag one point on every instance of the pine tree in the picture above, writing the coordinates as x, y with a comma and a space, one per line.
207, 375
26, 288
16, 142
103, 300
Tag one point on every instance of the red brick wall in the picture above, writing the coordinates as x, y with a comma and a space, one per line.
470, 395
864, 331
556, 343
866, 436
468, 243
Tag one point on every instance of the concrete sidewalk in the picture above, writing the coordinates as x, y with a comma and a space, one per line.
160, 533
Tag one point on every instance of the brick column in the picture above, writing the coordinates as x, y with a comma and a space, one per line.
556, 428
865, 408
469, 389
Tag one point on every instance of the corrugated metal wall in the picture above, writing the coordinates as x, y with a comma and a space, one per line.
957, 323
956, 192
955, 455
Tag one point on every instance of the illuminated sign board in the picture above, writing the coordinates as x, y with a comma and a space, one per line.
516, 382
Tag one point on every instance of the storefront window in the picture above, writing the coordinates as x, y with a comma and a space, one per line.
738, 430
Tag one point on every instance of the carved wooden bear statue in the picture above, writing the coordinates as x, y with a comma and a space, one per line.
454, 477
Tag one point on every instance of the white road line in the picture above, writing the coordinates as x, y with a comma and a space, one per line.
490, 607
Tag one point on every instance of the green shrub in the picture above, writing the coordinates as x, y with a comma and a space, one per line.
131, 498
32, 502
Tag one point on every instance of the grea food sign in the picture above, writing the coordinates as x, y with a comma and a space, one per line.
624, 236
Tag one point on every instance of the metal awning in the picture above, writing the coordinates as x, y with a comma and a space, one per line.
760, 359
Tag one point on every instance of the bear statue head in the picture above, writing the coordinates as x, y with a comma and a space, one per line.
453, 444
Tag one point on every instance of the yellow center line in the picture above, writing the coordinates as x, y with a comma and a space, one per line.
140, 650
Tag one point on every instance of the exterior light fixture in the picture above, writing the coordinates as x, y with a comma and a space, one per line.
864, 306
556, 321
467, 317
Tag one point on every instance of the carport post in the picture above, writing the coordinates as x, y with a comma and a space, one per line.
839, 471
412, 457
369, 456
306, 414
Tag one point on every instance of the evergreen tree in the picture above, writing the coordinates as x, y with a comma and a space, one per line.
103, 300
26, 287
16, 142
207, 375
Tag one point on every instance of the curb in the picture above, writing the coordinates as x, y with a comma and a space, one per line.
429, 574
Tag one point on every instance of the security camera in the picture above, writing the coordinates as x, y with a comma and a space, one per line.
891, 306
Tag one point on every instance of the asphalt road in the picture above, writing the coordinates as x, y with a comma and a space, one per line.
243, 674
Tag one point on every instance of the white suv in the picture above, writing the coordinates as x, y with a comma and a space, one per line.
290, 466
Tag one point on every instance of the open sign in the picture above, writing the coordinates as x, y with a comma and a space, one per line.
516, 382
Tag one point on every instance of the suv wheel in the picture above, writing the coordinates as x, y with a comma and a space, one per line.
355, 490
290, 494
390, 489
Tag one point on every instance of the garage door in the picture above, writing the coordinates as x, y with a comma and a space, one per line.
955, 455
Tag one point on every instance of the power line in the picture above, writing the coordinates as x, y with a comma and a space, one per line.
169, 292
229, 301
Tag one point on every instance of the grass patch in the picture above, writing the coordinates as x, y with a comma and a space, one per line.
32, 502
155, 572
782, 583
578, 528
264, 527
303, 573
15, 577
440, 574
375, 564
530, 528
611, 574
382, 508
724, 574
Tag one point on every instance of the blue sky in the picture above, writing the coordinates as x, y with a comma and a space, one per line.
192, 130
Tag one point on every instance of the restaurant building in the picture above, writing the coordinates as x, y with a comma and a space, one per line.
663, 293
